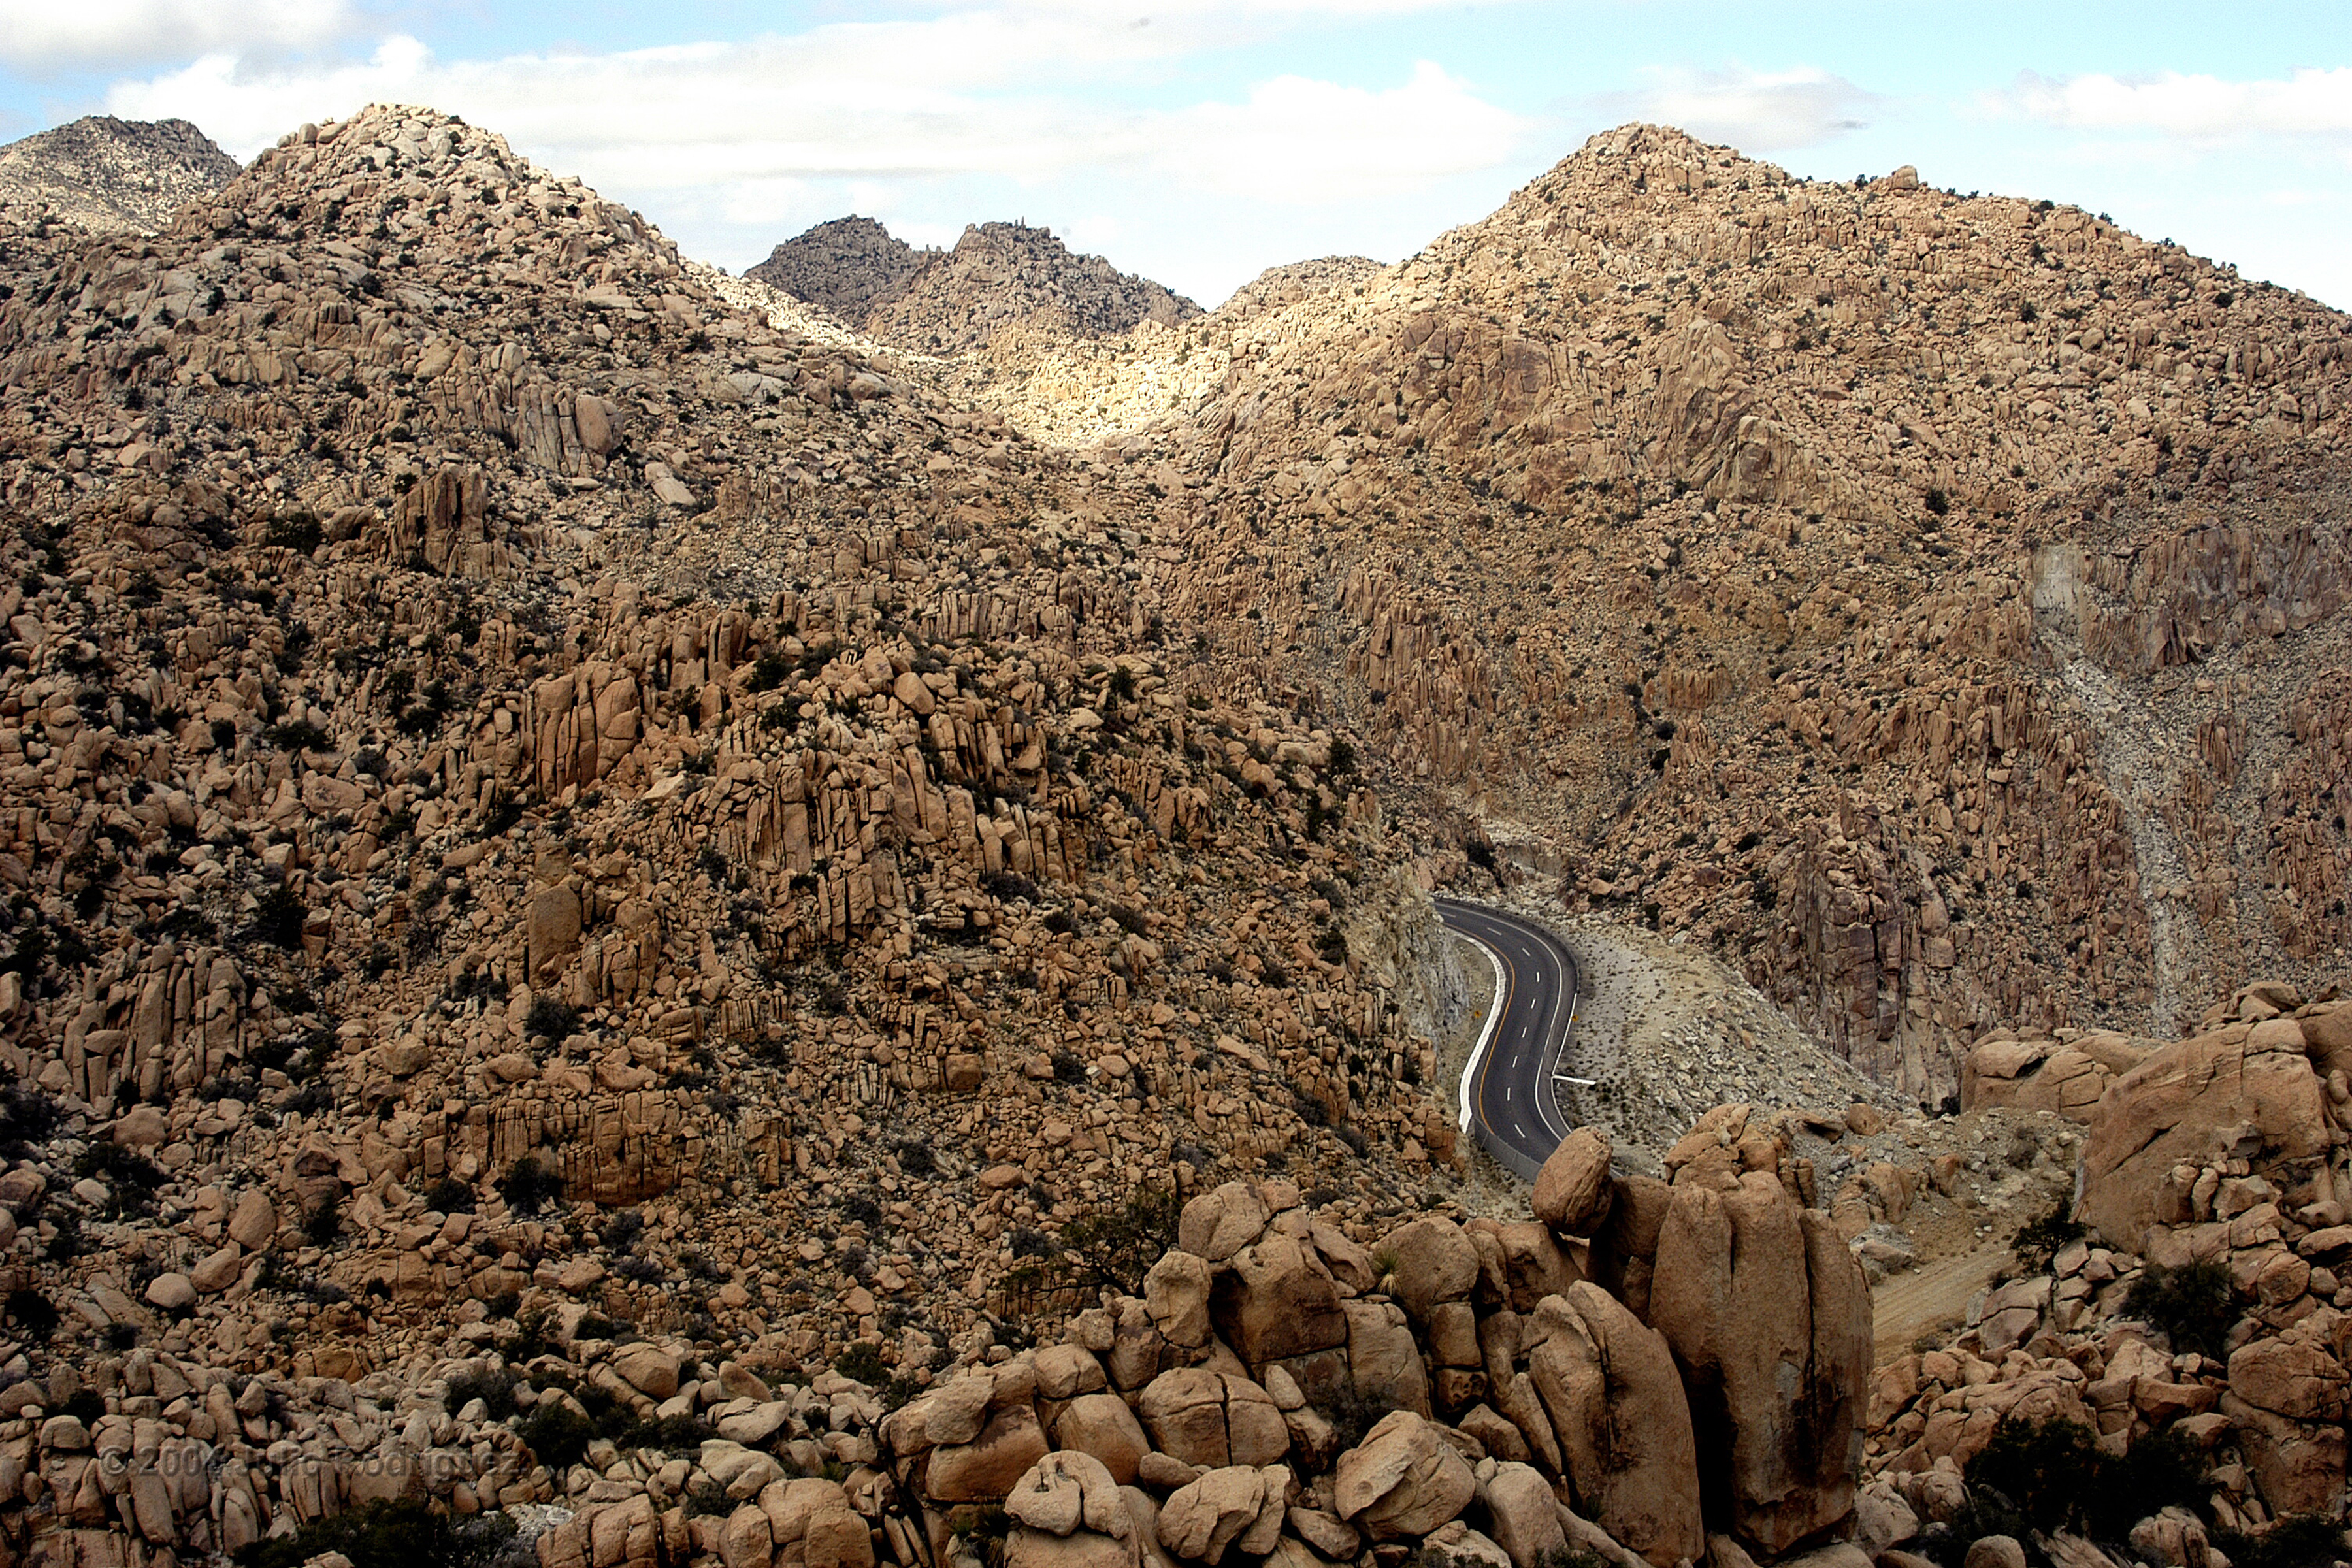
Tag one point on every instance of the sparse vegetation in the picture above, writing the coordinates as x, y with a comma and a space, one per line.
530, 1185
2193, 1306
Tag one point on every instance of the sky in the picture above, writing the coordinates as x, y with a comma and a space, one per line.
1198, 142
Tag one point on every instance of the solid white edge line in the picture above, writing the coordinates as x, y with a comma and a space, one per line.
1487, 1034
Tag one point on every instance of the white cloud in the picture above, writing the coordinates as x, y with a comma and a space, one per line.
2309, 104
42, 35
868, 102
1754, 111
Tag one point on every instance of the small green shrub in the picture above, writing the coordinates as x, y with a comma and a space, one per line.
557, 1435
984, 1528
450, 1195
322, 1222
494, 1387
2050, 1474
528, 1185
406, 1534
2298, 1541
1354, 1409
1985, 1513
553, 1017
2195, 1305
131, 1177
28, 1118
280, 917
300, 533
34, 1315
863, 1362
2038, 1467
1114, 1249
2161, 1469
298, 735
2040, 1240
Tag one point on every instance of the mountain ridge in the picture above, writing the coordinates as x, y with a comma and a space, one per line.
103, 173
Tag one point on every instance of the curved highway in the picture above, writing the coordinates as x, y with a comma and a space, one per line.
1507, 1096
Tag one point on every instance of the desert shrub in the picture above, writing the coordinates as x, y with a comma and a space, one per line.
27, 1116
2194, 1305
494, 1387
1354, 1409
769, 670
622, 1230
984, 1528
1985, 1513
2161, 1469
322, 1222
528, 1184
2298, 1541
916, 1158
1068, 1067
2042, 1468
131, 1177
1116, 1247
34, 1315
406, 1534
556, 1434
863, 1362
301, 533
450, 1195
2040, 1240
1008, 886
278, 918
298, 735
553, 1017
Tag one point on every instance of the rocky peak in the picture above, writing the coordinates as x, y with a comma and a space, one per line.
104, 173
845, 267
998, 276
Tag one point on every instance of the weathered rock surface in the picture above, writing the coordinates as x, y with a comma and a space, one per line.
102, 174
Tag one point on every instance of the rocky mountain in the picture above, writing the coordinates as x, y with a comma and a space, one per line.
1934, 604
107, 175
493, 727
999, 276
637, 934
845, 267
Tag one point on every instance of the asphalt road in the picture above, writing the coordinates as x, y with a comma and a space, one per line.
1506, 1091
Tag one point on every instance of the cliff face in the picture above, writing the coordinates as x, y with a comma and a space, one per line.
1930, 601
105, 175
